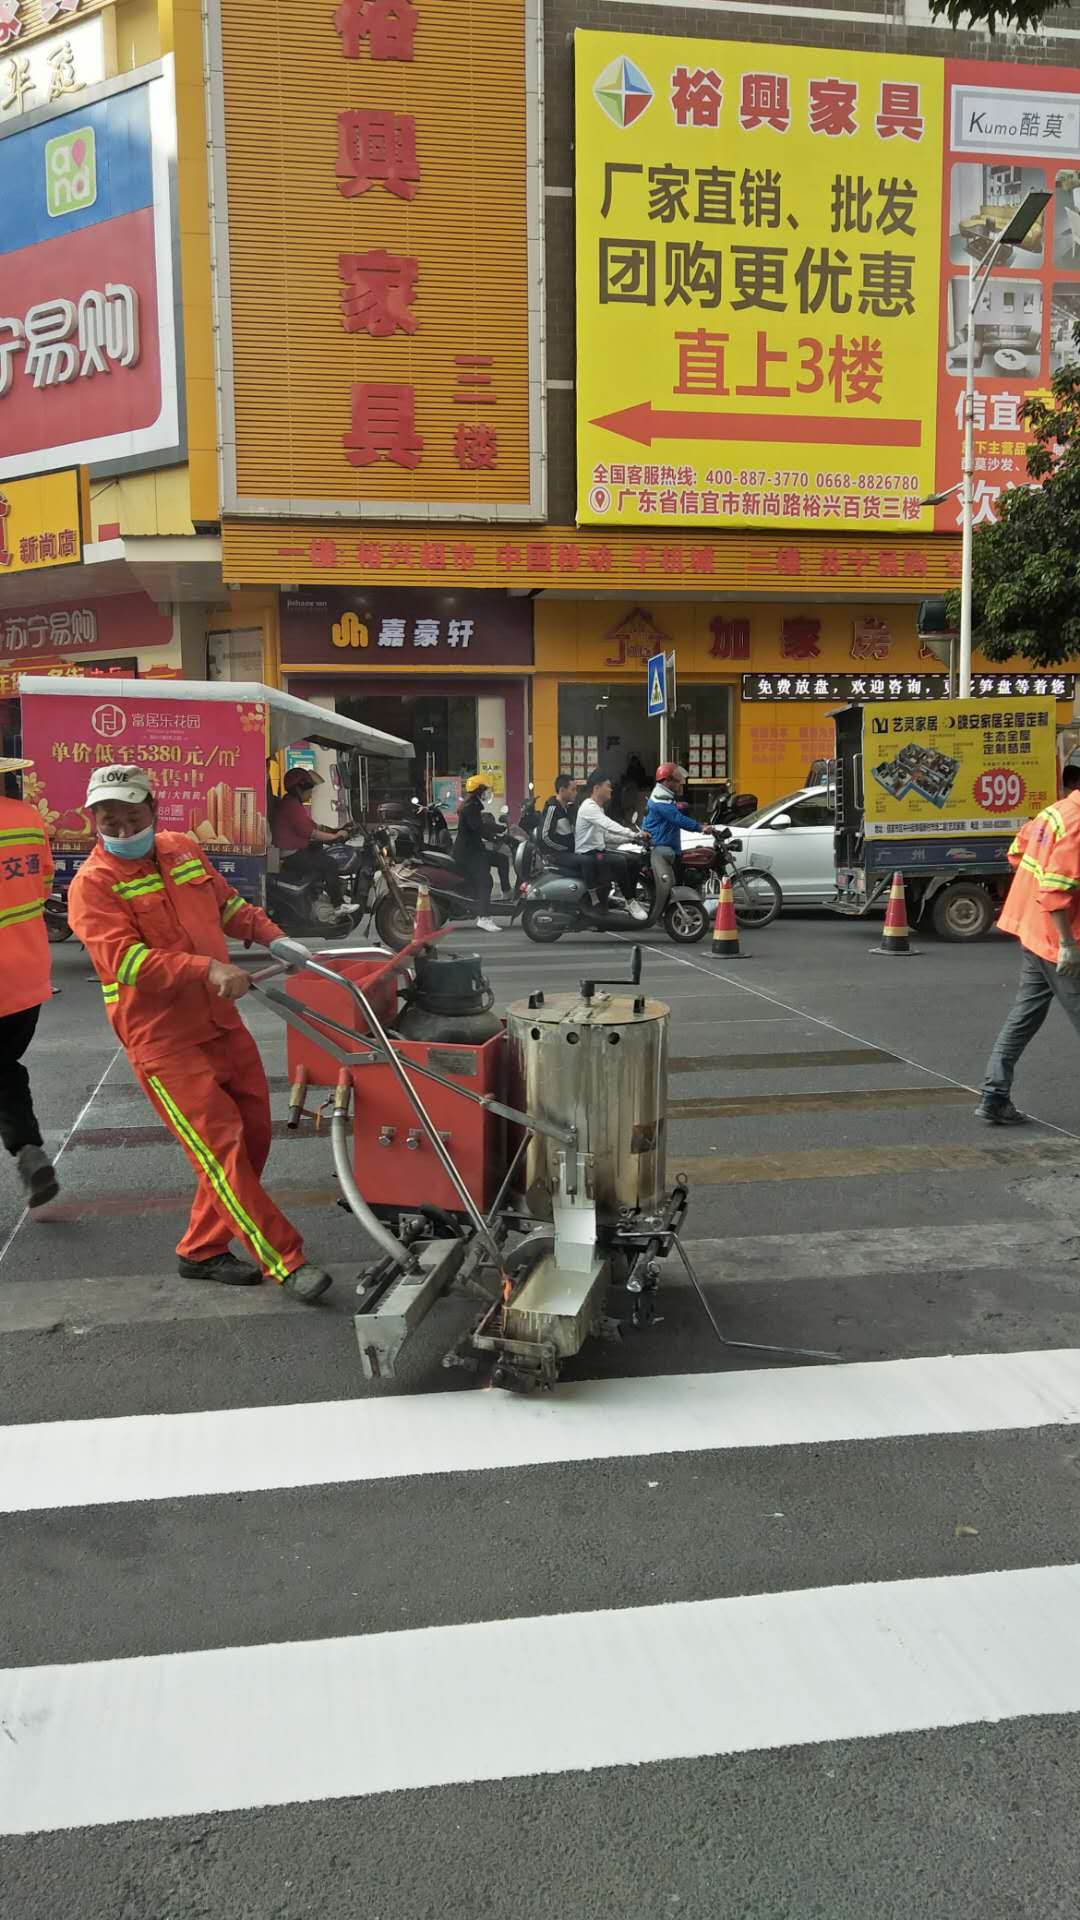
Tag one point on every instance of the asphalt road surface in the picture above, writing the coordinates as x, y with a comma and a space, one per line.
706, 1633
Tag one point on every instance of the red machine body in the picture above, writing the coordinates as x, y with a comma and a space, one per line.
306, 1058
394, 1162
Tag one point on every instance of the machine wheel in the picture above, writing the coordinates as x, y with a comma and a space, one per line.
56, 928
963, 911
394, 924
686, 922
756, 895
543, 925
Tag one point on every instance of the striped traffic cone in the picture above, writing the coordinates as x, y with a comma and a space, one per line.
894, 934
725, 939
423, 925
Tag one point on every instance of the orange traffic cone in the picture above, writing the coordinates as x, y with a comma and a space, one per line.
894, 936
424, 918
725, 939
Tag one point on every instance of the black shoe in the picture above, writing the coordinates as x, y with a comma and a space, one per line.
225, 1268
1000, 1113
38, 1175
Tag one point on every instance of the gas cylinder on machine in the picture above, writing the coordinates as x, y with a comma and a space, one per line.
599, 1064
449, 1000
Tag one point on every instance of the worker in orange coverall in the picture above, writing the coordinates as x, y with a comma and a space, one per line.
153, 915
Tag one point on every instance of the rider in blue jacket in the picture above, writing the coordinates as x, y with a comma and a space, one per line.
664, 818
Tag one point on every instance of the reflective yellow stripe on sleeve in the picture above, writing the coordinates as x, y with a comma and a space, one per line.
234, 901
110, 991
128, 971
187, 870
14, 916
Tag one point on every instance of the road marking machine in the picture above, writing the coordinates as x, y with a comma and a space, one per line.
522, 1160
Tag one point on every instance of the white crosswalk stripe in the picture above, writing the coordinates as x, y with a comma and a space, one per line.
139, 1739
167, 1456
172, 1734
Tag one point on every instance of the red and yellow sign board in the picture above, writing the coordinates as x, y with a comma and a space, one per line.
40, 522
957, 766
575, 559
381, 166
772, 255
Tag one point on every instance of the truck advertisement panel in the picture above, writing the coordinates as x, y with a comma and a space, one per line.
206, 760
952, 767
773, 247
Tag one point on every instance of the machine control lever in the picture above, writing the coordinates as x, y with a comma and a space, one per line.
588, 987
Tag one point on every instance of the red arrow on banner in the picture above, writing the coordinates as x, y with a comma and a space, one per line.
646, 423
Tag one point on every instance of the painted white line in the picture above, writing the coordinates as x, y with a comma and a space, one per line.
78, 1463
58, 1155
759, 993
174, 1734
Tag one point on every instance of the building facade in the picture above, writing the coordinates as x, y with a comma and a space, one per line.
492, 376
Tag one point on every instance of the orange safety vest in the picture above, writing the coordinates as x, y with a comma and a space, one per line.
1046, 855
151, 928
26, 872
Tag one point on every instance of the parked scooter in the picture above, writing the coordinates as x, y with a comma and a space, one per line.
559, 902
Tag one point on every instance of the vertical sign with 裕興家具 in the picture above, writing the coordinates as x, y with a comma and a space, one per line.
380, 345
758, 282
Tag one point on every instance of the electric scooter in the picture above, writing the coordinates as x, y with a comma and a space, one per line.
558, 902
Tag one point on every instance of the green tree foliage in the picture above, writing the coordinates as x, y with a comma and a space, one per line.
1026, 569
1022, 14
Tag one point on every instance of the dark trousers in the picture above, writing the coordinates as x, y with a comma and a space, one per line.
317, 860
18, 1121
475, 868
1040, 985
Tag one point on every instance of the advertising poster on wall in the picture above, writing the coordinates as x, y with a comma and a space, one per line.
772, 256
958, 766
207, 762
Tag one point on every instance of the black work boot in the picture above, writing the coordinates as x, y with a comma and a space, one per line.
225, 1268
997, 1110
38, 1175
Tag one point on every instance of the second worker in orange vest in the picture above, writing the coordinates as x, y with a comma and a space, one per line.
1043, 911
153, 915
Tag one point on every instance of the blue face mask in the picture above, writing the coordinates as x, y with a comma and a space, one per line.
135, 847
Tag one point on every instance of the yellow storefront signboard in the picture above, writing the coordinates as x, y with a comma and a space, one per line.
758, 282
41, 522
957, 766
377, 254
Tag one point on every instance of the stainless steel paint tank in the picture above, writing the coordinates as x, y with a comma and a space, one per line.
601, 1066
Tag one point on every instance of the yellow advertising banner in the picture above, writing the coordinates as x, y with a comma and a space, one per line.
41, 522
758, 283
381, 355
957, 766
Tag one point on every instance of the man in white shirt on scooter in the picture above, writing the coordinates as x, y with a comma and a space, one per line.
597, 837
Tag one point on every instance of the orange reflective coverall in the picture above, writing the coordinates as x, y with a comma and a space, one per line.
1046, 855
26, 871
151, 928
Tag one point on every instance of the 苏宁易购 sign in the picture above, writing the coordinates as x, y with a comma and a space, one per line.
772, 255
957, 766
380, 351
88, 369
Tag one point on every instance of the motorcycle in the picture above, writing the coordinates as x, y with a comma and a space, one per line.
450, 896
298, 901
708, 859
558, 902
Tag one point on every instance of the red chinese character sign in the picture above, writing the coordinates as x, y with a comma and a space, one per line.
772, 249
407, 147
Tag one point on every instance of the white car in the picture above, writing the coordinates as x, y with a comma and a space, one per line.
792, 839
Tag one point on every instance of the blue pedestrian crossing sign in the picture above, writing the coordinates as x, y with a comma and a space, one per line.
656, 685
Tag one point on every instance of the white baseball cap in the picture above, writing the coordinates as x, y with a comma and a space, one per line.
130, 785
